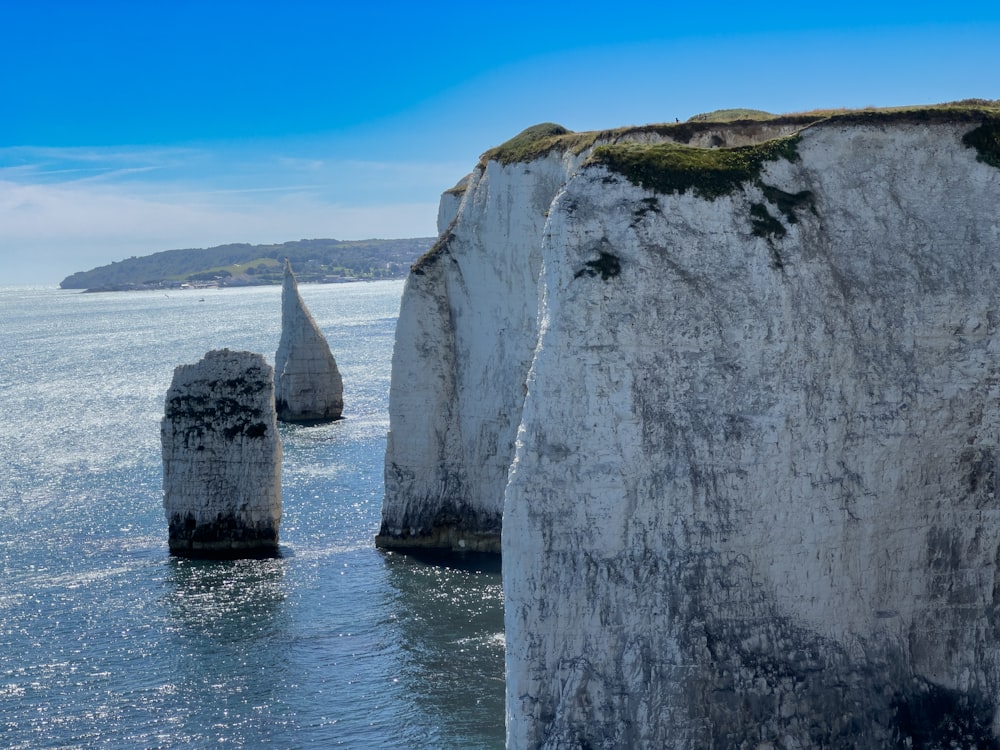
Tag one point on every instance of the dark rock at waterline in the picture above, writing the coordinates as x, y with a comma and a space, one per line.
222, 458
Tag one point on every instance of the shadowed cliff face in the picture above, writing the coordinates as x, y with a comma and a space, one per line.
754, 497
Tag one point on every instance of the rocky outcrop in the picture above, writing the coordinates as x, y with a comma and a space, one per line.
467, 330
451, 201
308, 386
222, 458
753, 497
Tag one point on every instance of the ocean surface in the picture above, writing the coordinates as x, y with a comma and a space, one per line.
106, 641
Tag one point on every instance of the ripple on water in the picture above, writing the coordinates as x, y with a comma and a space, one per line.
108, 642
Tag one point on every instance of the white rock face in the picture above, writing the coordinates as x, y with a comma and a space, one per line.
451, 201
754, 500
222, 457
308, 386
466, 334
466, 331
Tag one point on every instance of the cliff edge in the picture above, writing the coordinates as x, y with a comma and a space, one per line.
468, 326
754, 386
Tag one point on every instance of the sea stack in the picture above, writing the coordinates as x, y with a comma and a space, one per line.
222, 458
308, 386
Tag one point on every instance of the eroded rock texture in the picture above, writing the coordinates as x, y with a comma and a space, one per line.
222, 458
308, 386
739, 418
467, 330
754, 502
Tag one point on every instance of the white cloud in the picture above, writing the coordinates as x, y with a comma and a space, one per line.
48, 232
63, 211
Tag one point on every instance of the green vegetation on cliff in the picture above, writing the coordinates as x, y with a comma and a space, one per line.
247, 265
537, 141
986, 140
709, 172
752, 125
732, 115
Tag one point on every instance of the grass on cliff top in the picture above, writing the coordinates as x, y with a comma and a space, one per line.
732, 115
986, 112
539, 140
969, 110
460, 187
709, 172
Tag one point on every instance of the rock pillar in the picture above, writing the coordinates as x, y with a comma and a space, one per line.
308, 386
222, 458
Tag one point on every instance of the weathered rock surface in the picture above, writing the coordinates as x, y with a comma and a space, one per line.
753, 502
222, 458
308, 386
466, 333
466, 330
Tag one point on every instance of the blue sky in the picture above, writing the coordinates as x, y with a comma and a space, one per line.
130, 127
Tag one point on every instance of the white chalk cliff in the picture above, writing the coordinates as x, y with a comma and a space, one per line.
752, 501
466, 333
308, 386
222, 457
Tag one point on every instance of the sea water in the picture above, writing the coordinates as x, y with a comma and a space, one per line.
106, 641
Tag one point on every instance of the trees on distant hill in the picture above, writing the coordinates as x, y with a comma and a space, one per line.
243, 264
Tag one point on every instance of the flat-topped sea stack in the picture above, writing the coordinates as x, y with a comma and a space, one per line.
222, 458
730, 394
308, 386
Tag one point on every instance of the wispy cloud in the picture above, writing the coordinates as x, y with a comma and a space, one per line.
73, 227
65, 210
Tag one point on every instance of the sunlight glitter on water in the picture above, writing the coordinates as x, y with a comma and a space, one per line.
107, 642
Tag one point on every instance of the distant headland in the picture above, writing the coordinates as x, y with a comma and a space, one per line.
317, 261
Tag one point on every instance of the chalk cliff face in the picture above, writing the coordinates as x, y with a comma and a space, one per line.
308, 386
754, 500
753, 496
466, 334
222, 457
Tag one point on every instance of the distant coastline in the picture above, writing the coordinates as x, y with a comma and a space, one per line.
316, 261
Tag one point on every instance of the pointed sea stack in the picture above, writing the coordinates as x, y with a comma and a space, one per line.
308, 386
222, 458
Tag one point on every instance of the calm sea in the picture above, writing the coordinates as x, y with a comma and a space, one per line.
108, 642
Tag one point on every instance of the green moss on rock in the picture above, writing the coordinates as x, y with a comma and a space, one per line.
710, 173
437, 251
787, 203
607, 266
763, 224
986, 140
